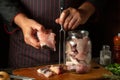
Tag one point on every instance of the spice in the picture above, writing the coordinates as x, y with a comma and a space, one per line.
116, 48
105, 55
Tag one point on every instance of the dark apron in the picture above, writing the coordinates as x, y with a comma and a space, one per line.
45, 12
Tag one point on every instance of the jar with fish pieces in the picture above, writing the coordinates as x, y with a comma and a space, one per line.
78, 51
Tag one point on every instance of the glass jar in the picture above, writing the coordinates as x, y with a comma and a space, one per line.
78, 51
105, 55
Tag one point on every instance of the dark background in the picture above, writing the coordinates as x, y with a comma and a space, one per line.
4, 46
107, 26
101, 32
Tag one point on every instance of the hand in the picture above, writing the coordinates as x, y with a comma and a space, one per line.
29, 27
71, 18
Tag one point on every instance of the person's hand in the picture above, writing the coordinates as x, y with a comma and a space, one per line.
29, 28
71, 18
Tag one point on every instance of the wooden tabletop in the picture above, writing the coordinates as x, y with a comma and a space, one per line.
96, 73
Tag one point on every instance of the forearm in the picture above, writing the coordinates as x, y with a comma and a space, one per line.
19, 19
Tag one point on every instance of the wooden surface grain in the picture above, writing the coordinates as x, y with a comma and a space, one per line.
96, 73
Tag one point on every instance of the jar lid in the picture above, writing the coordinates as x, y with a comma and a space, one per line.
73, 33
78, 33
119, 34
84, 33
106, 47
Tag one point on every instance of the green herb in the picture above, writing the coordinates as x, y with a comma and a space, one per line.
114, 68
111, 77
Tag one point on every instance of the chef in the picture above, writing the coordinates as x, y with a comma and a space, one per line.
24, 18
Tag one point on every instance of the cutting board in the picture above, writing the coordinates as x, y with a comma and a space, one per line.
96, 73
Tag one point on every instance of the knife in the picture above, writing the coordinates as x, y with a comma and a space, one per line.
21, 77
62, 37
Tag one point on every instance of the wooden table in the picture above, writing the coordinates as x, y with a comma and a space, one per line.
96, 73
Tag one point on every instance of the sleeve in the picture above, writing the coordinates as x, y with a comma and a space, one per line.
99, 4
8, 10
99, 9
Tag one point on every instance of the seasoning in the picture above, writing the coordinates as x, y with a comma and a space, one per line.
116, 48
105, 55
